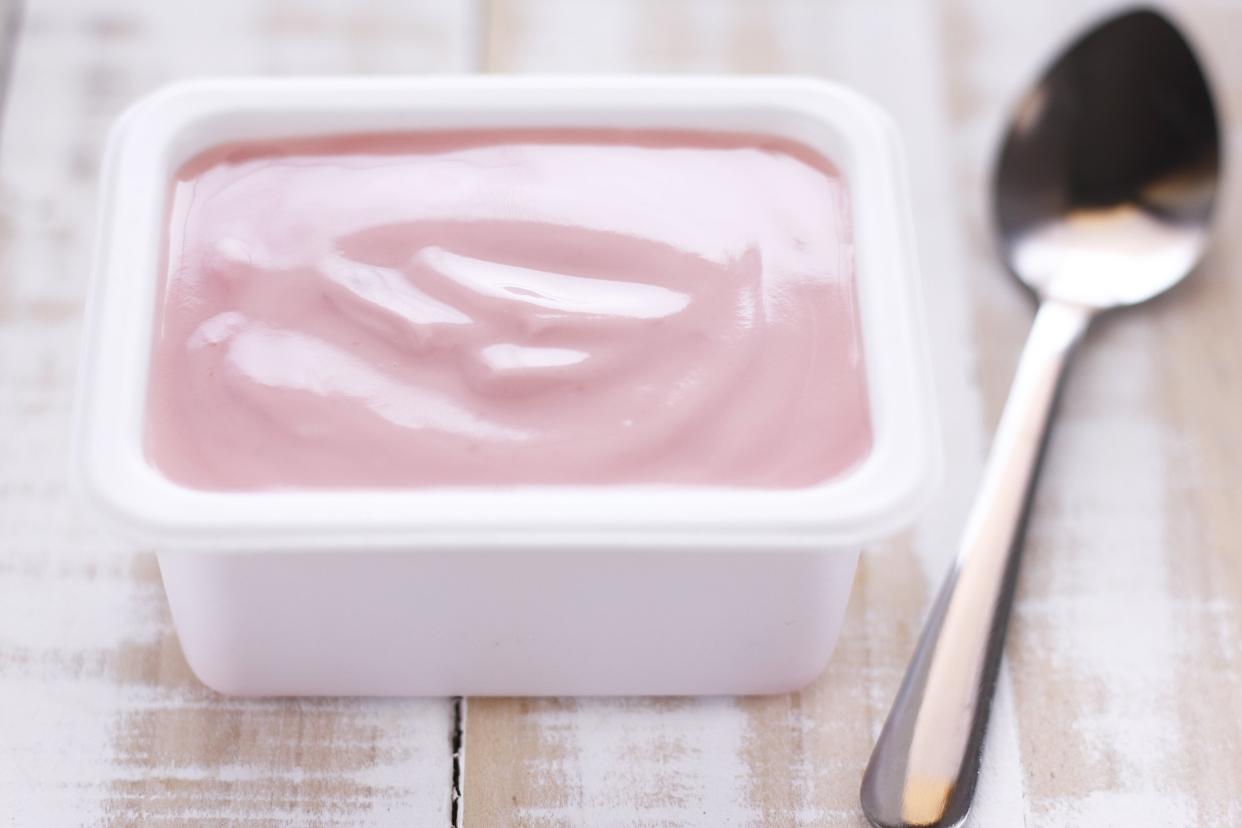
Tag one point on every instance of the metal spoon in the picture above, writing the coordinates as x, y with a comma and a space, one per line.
1103, 194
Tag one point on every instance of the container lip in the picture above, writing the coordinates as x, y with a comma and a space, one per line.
879, 496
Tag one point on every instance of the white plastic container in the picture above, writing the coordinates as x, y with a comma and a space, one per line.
525, 591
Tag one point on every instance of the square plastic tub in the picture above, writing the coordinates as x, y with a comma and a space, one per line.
525, 590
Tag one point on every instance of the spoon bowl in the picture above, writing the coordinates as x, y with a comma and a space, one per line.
1107, 176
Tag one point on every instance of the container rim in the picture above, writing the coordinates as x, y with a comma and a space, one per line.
880, 495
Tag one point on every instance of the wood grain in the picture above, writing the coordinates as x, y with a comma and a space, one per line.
1119, 700
1125, 652
101, 721
1127, 643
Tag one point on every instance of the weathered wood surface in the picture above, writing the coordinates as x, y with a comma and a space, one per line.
1126, 655
1120, 699
100, 720
1125, 664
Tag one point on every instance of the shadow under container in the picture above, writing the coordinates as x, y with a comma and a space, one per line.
486, 591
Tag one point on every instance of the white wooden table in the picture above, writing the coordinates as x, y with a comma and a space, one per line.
1121, 698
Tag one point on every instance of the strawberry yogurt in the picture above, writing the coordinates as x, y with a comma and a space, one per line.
508, 307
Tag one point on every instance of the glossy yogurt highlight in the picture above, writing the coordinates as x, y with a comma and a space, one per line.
508, 307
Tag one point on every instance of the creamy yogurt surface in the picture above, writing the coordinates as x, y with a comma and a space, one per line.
508, 307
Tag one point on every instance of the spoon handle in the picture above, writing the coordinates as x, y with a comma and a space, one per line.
926, 761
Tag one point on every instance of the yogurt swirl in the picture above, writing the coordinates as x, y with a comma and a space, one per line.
508, 307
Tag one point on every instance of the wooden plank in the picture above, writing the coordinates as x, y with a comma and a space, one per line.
786, 760
1127, 647
1125, 662
100, 719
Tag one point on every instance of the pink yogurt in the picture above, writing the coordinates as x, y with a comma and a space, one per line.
508, 307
